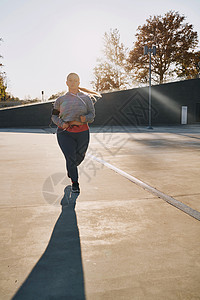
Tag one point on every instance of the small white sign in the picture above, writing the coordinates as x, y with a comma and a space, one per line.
184, 115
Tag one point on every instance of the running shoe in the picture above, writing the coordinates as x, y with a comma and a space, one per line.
75, 187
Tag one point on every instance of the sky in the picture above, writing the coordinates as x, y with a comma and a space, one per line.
44, 40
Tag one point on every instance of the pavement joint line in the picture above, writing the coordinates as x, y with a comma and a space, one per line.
24, 206
178, 204
186, 135
82, 202
184, 195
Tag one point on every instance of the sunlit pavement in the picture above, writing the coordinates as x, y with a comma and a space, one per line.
121, 241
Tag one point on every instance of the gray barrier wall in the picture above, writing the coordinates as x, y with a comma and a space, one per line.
129, 107
30, 115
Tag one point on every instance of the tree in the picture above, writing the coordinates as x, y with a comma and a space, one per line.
55, 96
2, 81
110, 71
2, 89
1, 65
175, 42
189, 66
106, 77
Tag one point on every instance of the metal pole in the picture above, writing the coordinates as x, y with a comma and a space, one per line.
42, 96
150, 127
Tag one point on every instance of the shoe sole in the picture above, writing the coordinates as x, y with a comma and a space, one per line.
75, 191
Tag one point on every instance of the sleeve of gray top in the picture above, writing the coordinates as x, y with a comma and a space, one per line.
55, 118
91, 111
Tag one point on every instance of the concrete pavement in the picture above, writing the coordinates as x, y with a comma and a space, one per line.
120, 242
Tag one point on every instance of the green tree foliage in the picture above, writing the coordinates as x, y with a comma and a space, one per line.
2, 81
2, 89
1, 65
110, 71
4, 95
175, 41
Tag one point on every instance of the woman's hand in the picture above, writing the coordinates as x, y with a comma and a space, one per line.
75, 123
83, 119
65, 125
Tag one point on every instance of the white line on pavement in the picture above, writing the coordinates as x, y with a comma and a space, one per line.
188, 210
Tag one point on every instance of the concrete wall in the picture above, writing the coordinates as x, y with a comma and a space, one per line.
31, 115
131, 106
128, 107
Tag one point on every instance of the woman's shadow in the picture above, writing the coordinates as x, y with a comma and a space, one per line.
59, 272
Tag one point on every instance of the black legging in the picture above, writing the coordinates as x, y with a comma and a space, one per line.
74, 146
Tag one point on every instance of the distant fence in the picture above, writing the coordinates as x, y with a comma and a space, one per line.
129, 107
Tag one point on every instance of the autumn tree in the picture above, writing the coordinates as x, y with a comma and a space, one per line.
189, 66
110, 71
2, 81
0, 54
175, 41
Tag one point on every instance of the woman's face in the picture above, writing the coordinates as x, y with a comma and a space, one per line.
73, 82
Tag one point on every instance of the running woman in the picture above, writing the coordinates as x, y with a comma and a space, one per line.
72, 113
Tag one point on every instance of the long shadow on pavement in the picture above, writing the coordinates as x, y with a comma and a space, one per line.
59, 272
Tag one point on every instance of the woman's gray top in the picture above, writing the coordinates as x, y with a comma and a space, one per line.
72, 106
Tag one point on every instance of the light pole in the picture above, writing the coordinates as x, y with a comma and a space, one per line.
146, 51
42, 96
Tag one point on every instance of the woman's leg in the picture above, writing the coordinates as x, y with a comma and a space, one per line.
68, 146
82, 139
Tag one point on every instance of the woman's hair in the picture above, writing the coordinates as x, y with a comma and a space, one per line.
90, 92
